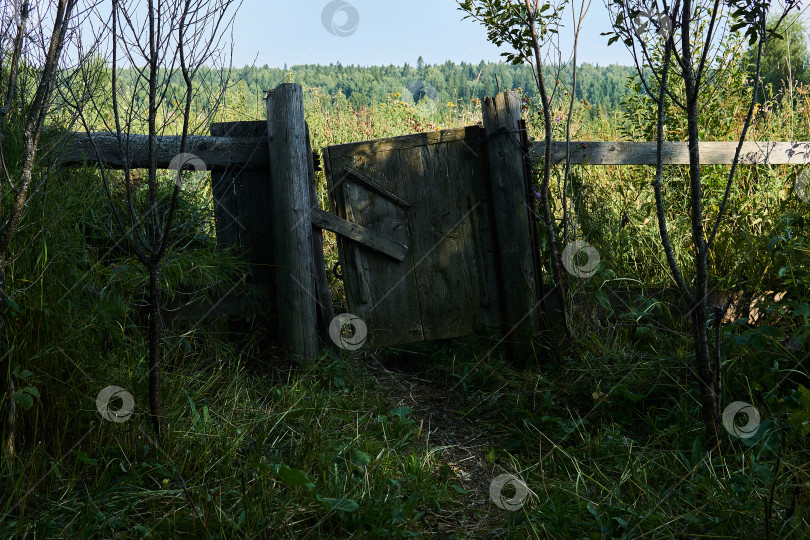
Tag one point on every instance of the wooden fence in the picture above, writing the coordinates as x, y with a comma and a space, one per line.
435, 234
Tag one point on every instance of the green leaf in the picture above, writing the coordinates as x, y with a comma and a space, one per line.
622, 523
802, 309
401, 411
24, 400
459, 489
24, 374
295, 478
342, 505
13, 306
360, 458
604, 301
31, 390
804, 394
800, 420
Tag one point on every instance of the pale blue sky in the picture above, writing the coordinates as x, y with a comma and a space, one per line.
276, 32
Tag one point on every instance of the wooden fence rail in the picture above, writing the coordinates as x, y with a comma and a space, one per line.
251, 153
676, 153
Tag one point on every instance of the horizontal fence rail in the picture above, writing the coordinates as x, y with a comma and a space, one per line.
216, 152
252, 154
676, 153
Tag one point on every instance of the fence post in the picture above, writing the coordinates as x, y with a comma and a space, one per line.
292, 221
516, 261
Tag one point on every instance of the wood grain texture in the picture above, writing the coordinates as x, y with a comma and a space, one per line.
291, 213
241, 203
251, 152
217, 152
445, 286
325, 309
398, 143
519, 294
379, 289
356, 233
676, 153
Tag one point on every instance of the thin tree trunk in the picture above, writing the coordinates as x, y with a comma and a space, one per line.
154, 333
31, 132
548, 218
703, 360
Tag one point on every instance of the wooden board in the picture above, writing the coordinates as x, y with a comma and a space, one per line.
241, 203
217, 151
432, 198
676, 153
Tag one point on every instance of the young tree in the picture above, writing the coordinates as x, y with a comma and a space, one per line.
35, 51
690, 34
529, 27
170, 48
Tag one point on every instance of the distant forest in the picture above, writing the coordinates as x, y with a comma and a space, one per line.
602, 86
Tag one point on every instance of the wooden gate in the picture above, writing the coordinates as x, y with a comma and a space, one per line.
427, 193
460, 265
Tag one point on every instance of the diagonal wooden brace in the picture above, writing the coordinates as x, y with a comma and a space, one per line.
361, 235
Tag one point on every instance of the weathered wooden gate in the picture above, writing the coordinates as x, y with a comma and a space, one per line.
428, 194
456, 201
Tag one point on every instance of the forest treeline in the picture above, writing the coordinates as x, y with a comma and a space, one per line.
602, 86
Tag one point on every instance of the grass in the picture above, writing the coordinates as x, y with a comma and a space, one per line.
406, 441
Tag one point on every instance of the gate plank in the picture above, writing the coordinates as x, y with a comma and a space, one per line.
355, 232
444, 224
377, 287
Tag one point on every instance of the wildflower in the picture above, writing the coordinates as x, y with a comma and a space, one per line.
450, 104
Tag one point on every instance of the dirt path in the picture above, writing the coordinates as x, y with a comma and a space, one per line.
463, 449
